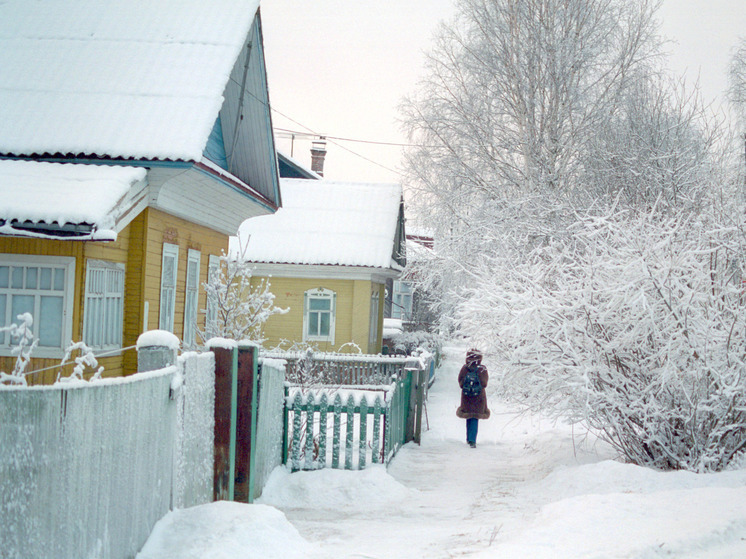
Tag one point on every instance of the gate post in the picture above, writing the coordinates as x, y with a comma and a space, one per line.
226, 389
156, 349
247, 391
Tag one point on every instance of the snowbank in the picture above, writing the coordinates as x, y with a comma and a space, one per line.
224, 530
329, 488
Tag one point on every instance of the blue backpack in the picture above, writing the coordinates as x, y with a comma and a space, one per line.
472, 385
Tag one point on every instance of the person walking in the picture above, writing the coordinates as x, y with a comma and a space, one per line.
473, 379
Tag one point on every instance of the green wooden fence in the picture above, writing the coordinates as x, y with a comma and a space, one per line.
350, 427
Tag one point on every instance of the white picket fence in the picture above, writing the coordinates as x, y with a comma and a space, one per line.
88, 468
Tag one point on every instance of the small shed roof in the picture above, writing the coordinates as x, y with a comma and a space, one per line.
137, 79
57, 194
326, 222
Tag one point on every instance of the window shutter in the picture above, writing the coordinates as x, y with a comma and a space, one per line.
211, 318
169, 270
191, 299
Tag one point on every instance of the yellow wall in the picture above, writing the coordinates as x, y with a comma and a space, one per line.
139, 246
165, 228
352, 318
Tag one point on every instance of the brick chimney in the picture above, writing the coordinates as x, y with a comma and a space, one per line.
318, 153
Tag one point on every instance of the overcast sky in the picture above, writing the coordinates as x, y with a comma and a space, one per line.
341, 67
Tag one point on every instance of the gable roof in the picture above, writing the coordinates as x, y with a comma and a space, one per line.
82, 202
326, 222
291, 168
139, 79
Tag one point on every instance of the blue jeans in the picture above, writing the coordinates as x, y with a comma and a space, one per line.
472, 424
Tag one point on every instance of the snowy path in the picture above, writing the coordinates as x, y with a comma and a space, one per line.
452, 501
525, 492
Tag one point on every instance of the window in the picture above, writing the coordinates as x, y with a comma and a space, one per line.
104, 304
318, 315
374, 306
42, 286
211, 318
169, 269
401, 307
191, 299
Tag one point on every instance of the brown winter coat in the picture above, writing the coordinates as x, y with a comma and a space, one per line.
474, 406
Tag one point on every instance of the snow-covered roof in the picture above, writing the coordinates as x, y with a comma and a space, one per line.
59, 194
326, 222
296, 166
118, 78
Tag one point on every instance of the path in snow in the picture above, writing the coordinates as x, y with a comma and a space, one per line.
448, 500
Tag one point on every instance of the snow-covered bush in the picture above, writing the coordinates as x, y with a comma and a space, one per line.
409, 342
85, 360
237, 309
25, 343
635, 326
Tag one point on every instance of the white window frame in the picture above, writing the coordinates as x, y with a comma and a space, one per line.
168, 288
375, 302
66, 266
323, 294
103, 309
398, 310
191, 298
211, 310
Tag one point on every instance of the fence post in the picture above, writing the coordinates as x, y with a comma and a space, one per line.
156, 349
350, 432
421, 376
247, 401
226, 381
323, 411
336, 435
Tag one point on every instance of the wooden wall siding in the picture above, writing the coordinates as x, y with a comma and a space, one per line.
199, 198
352, 317
249, 143
160, 228
360, 312
139, 246
81, 251
381, 288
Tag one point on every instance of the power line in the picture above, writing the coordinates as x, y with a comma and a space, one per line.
265, 103
308, 134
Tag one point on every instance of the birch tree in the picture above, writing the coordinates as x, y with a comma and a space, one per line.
587, 233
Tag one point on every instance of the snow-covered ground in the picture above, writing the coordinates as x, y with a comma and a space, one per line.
529, 490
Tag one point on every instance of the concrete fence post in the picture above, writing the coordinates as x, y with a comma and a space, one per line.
156, 349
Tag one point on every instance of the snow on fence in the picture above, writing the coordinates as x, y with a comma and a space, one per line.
340, 368
194, 462
348, 427
87, 468
270, 411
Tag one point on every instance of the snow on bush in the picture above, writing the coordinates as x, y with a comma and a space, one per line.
237, 309
634, 326
22, 335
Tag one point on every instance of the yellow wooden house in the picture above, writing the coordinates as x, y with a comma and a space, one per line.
327, 254
134, 143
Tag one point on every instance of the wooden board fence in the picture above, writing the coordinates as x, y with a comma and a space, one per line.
348, 432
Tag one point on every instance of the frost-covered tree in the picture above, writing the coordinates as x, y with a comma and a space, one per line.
236, 308
515, 90
636, 329
737, 88
656, 149
586, 233
515, 95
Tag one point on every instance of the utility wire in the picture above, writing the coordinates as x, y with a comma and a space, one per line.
317, 134
308, 134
